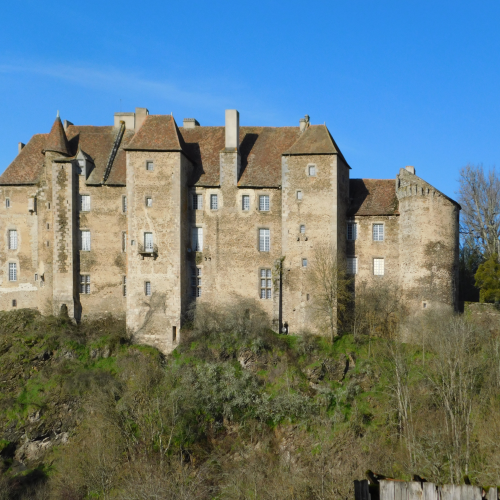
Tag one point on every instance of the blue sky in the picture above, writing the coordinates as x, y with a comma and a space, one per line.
397, 82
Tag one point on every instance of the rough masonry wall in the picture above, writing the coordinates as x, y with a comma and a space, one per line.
428, 244
106, 262
231, 261
18, 218
152, 318
318, 210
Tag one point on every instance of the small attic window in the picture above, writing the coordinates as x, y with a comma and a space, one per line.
150, 165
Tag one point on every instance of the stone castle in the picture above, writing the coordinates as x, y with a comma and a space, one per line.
142, 218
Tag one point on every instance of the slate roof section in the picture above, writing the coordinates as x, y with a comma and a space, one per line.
98, 142
57, 140
261, 149
373, 197
157, 133
28, 164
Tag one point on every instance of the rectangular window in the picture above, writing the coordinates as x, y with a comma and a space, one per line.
147, 288
352, 231
264, 240
148, 242
124, 241
195, 281
174, 334
150, 166
12, 271
124, 286
7, 203
197, 202
302, 229
84, 203
12, 239
352, 265
14, 303
85, 241
197, 243
378, 232
378, 267
264, 203
265, 284
85, 283
149, 201
304, 262
124, 204
299, 195
36, 277
214, 202
245, 202
312, 170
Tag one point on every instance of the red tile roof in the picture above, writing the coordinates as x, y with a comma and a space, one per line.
157, 133
56, 140
28, 164
373, 197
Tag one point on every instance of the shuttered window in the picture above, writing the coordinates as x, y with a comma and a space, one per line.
12, 271
264, 240
12, 239
85, 240
197, 242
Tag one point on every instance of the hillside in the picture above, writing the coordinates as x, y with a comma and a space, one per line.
236, 412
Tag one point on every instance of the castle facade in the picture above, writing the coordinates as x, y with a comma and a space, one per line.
143, 218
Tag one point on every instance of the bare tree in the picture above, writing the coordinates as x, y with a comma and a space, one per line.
479, 195
331, 287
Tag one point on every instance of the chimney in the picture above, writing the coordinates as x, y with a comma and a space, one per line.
232, 129
304, 123
410, 169
128, 118
20, 146
190, 123
140, 116
66, 124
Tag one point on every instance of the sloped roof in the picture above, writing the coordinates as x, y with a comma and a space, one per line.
56, 140
28, 164
373, 197
157, 133
98, 142
261, 149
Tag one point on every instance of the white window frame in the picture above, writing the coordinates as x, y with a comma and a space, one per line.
85, 203
245, 202
149, 201
85, 284
197, 239
378, 266
85, 241
378, 231
214, 202
352, 265
148, 241
196, 274
13, 239
264, 240
265, 284
264, 203
311, 170
12, 271
300, 195
150, 163
352, 231
302, 229
197, 201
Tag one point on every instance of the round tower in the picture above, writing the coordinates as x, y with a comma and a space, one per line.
428, 242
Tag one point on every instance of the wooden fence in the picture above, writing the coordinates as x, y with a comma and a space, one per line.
413, 490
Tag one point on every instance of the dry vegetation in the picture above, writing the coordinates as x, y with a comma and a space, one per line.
238, 412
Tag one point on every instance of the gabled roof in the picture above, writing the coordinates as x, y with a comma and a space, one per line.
261, 149
98, 142
373, 197
157, 133
315, 140
57, 140
28, 164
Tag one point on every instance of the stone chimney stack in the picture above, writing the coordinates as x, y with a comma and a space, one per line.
66, 124
410, 169
190, 123
304, 123
232, 129
20, 146
140, 116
